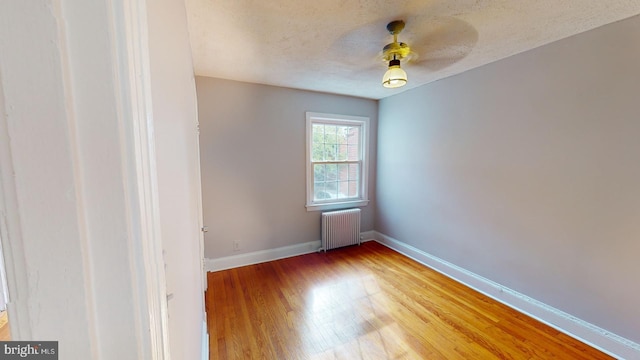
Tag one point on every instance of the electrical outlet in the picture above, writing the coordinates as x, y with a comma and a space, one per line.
236, 246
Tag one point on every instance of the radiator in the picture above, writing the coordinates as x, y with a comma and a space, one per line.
340, 228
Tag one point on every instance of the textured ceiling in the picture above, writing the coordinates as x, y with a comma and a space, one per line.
334, 45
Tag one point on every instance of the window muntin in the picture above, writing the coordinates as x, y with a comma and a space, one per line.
336, 161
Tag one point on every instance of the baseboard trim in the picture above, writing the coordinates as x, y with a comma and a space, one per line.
586, 332
368, 235
257, 257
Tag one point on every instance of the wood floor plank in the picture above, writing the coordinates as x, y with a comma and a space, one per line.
368, 302
5, 334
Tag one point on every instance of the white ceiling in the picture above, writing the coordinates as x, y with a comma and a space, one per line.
333, 45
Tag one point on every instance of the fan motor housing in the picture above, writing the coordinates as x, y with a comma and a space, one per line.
399, 49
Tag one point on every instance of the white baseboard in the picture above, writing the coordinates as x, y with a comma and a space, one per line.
257, 257
368, 235
588, 333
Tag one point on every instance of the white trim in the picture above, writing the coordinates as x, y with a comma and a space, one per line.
131, 52
127, 31
10, 228
363, 123
4, 292
586, 332
337, 205
367, 236
201, 224
257, 257
205, 340
81, 204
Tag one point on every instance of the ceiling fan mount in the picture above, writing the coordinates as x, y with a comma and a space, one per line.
395, 27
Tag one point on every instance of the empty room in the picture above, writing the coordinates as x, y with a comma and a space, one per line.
514, 173
219, 179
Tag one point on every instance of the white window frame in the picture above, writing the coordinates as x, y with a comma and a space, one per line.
335, 204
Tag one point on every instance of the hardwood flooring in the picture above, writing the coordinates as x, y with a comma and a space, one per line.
5, 335
367, 302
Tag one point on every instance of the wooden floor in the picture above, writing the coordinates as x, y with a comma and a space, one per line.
367, 302
4, 327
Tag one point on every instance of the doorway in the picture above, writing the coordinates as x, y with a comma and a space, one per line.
5, 334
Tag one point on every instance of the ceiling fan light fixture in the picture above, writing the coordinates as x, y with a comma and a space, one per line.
395, 77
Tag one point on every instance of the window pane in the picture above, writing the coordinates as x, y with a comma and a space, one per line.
343, 172
342, 152
342, 134
330, 134
354, 171
330, 152
318, 133
354, 135
317, 153
331, 172
353, 152
343, 189
331, 189
353, 189
317, 147
319, 192
318, 172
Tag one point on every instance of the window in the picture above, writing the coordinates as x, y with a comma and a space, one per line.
336, 161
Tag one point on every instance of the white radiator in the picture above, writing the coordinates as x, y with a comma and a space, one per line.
340, 228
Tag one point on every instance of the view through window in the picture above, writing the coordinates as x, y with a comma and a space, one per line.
336, 160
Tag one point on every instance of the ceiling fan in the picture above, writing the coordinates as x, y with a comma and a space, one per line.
427, 45
394, 53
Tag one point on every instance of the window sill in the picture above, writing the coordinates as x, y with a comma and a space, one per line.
337, 205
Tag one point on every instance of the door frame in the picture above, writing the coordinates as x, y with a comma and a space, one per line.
128, 32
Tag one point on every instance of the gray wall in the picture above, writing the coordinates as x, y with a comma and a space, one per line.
252, 150
526, 171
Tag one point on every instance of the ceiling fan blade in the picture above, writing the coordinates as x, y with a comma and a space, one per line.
442, 41
363, 45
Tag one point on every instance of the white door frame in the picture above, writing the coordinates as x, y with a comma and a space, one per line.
132, 50
129, 42
11, 237
4, 293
